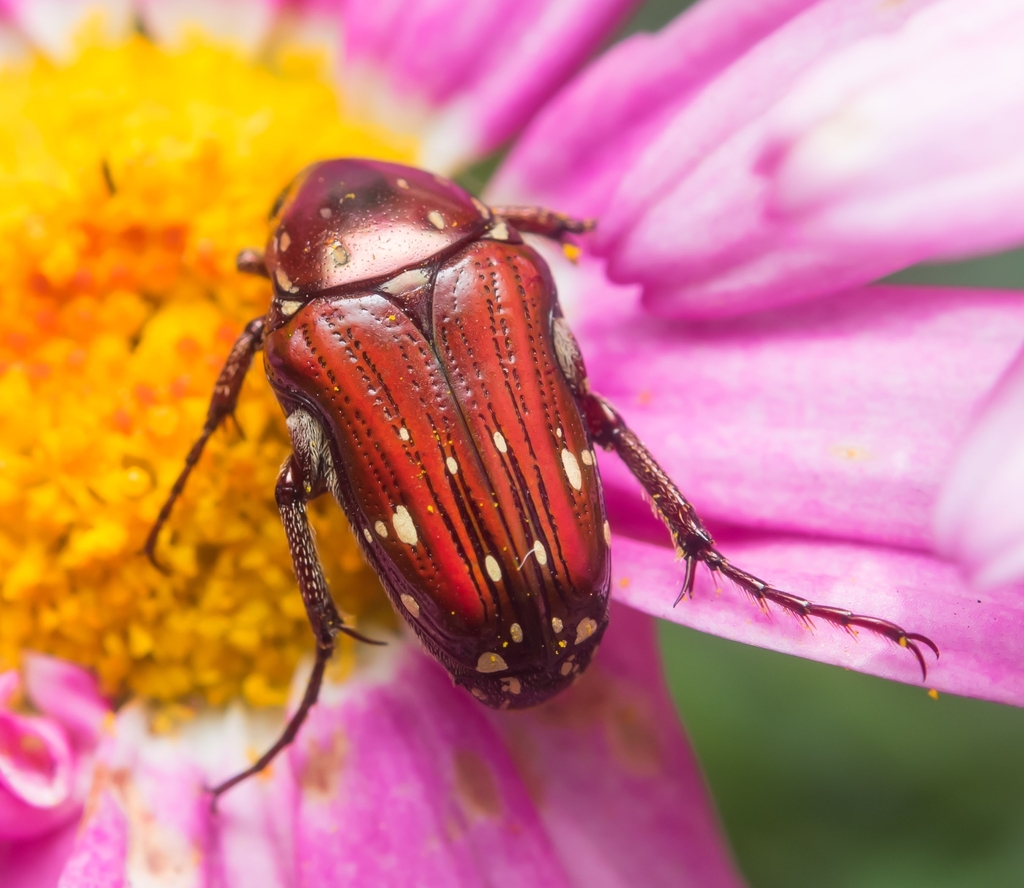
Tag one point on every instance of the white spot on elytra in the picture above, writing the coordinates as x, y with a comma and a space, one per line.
499, 442
284, 241
572, 469
540, 553
511, 685
401, 183
500, 232
339, 255
284, 282
558, 433
607, 533
403, 433
453, 466
406, 281
490, 663
381, 528
566, 668
587, 458
556, 624
367, 534
325, 212
411, 604
404, 527
493, 568
516, 631
435, 219
585, 629
289, 307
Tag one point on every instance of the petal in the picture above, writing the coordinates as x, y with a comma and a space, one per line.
613, 778
53, 25
481, 68
410, 779
979, 636
838, 418
979, 519
68, 694
101, 846
243, 23
688, 216
37, 771
37, 863
400, 778
406, 781
576, 151
907, 145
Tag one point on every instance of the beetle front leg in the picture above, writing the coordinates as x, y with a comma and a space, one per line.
539, 220
222, 405
695, 545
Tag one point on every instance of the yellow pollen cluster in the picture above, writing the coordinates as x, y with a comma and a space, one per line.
129, 179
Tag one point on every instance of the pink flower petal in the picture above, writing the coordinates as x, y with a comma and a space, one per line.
101, 846
576, 151
68, 694
980, 636
37, 863
685, 206
411, 779
838, 418
400, 778
908, 145
52, 25
45, 762
484, 68
407, 780
979, 520
37, 772
616, 785
14, 46
243, 23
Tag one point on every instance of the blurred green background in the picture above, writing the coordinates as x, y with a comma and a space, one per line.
825, 777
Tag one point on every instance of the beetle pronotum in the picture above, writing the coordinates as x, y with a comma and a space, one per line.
431, 384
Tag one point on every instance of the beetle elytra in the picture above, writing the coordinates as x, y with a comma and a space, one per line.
431, 384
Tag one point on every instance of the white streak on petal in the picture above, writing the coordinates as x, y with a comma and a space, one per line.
53, 24
243, 23
979, 519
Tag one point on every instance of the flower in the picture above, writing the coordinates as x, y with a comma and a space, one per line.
133, 174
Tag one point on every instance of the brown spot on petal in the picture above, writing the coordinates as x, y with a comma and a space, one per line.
475, 786
621, 712
633, 736
324, 764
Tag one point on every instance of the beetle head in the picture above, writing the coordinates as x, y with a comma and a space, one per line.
349, 221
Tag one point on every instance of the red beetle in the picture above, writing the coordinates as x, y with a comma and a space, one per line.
431, 384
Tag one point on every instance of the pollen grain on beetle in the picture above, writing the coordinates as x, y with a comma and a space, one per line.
129, 179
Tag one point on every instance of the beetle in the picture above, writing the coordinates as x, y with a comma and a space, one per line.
432, 385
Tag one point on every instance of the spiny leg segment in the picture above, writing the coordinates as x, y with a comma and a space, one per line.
292, 492
695, 545
539, 220
222, 405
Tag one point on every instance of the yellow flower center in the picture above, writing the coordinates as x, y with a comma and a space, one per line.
129, 179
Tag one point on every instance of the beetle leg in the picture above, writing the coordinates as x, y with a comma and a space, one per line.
539, 220
292, 491
695, 545
222, 405
250, 261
